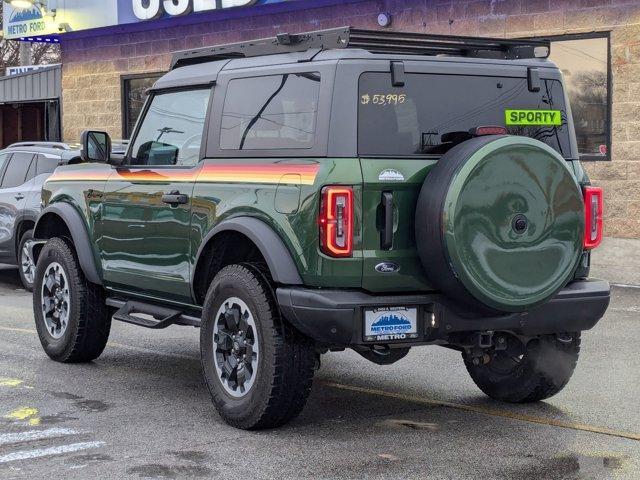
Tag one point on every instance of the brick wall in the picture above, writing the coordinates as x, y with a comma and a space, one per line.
93, 66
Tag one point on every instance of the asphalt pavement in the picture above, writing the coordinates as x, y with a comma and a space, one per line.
142, 410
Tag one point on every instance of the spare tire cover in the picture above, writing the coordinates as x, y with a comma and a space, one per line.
499, 223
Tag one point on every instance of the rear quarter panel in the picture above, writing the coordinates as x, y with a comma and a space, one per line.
283, 193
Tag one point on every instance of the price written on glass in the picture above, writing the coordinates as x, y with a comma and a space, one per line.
383, 100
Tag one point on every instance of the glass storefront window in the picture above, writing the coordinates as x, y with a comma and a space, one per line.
585, 63
134, 94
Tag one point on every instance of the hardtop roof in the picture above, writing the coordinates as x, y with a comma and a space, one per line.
207, 73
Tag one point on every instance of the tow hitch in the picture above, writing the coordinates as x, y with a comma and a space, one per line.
481, 343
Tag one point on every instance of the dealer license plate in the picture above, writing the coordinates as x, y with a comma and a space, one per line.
388, 324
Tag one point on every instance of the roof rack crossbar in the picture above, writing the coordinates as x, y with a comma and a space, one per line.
405, 43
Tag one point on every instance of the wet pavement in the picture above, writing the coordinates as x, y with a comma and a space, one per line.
142, 410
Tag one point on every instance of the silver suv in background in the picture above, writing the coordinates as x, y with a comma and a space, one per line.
24, 167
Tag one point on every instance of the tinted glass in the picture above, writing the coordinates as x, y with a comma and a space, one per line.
432, 113
3, 159
270, 113
17, 169
171, 132
46, 164
585, 64
135, 94
32, 171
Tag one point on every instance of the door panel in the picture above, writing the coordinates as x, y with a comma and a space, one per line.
14, 191
12, 203
147, 203
145, 242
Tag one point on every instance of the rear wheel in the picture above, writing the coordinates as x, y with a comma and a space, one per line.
527, 373
257, 367
72, 320
26, 265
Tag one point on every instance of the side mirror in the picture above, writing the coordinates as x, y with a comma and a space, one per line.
96, 146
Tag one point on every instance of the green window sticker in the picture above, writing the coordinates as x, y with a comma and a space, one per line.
534, 117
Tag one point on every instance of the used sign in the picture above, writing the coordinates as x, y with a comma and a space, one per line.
150, 9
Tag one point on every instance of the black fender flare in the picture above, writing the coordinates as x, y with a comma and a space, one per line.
281, 265
16, 229
81, 240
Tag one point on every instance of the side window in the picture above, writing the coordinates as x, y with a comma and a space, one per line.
586, 64
17, 169
3, 159
171, 131
47, 164
270, 113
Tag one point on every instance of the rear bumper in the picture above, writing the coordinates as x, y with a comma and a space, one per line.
334, 317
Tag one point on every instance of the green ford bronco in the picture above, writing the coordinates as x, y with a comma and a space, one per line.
339, 189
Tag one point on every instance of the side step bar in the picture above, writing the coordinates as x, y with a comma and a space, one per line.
149, 315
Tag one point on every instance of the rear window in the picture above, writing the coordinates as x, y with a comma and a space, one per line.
431, 113
47, 164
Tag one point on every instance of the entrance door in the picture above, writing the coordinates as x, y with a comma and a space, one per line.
147, 204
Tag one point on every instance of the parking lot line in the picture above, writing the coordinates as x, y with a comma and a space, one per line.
487, 411
32, 435
18, 330
47, 452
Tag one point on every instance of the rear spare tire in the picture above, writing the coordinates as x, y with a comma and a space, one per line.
499, 223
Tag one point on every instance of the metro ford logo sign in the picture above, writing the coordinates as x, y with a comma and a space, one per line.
152, 9
25, 22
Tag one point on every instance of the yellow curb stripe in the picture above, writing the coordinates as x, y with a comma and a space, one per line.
10, 382
488, 411
23, 413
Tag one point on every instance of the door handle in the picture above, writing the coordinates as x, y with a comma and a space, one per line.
19, 197
386, 235
175, 198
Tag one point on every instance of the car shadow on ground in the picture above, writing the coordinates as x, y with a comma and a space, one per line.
9, 276
333, 399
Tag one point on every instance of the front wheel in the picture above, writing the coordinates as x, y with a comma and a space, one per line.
527, 373
258, 368
72, 320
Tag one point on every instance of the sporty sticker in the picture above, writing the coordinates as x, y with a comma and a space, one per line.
547, 118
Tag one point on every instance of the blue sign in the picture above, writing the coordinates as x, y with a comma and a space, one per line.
132, 11
37, 21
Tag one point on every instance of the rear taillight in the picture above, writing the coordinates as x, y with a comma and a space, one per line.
336, 221
593, 204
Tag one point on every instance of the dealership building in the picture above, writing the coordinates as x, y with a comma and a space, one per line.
114, 50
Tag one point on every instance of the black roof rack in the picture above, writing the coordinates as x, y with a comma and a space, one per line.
373, 41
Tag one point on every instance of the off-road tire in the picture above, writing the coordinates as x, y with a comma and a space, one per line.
26, 236
89, 322
545, 369
285, 364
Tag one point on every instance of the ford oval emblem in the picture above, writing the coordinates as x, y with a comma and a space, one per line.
387, 267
